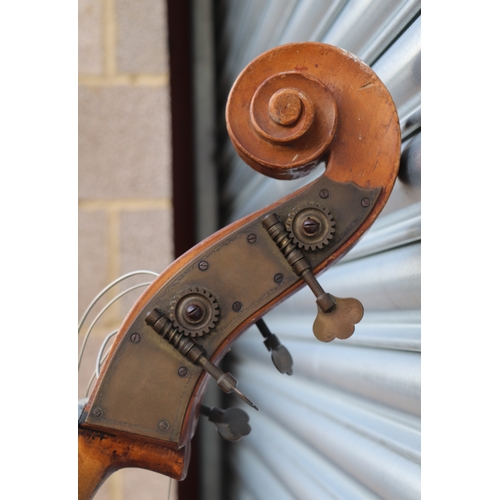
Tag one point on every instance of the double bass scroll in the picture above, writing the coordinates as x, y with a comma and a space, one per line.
291, 108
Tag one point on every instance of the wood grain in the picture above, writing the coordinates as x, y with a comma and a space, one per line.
101, 453
354, 128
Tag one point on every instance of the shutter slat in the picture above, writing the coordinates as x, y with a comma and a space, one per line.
387, 377
403, 439
385, 281
301, 468
399, 69
346, 425
375, 466
398, 330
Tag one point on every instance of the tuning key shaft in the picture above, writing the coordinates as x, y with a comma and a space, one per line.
279, 353
231, 424
336, 317
160, 323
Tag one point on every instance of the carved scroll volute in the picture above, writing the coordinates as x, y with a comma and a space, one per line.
289, 122
302, 103
290, 109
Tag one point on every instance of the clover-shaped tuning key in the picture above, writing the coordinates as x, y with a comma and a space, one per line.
231, 424
336, 317
339, 320
279, 353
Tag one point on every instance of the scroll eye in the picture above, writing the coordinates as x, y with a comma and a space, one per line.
291, 121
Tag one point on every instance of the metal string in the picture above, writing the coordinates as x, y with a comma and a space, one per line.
100, 360
101, 350
101, 312
104, 290
169, 488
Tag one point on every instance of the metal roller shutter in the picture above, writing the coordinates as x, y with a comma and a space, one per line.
347, 423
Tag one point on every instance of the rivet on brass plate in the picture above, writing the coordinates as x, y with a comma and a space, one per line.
252, 238
163, 425
324, 193
134, 338
182, 371
203, 265
192, 285
237, 306
97, 412
365, 202
278, 278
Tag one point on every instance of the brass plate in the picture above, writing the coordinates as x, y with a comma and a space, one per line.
143, 376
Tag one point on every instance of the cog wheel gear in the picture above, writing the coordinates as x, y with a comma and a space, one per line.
311, 226
194, 312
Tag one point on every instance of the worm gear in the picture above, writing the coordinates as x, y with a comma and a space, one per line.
194, 312
311, 226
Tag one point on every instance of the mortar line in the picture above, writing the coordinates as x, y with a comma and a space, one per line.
125, 79
110, 37
125, 205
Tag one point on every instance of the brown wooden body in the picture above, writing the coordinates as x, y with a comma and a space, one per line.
365, 150
102, 453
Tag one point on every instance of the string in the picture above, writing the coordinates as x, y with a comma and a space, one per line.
101, 312
101, 350
169, 488
104, 290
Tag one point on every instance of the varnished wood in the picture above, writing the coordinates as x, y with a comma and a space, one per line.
353, 126
102, 453
365, 147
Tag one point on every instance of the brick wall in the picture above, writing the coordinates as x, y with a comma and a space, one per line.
125, 207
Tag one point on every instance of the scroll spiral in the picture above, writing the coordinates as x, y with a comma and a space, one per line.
290, 122
290, 108
301, 103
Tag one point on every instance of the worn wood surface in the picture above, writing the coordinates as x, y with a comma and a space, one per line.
291, 108
101, 453
355, 126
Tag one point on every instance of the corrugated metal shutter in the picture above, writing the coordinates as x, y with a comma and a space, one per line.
347, 423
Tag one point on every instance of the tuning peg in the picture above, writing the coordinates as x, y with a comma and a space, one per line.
339, 320
231, 424
336, 317
224, 380
157, 320
282, 359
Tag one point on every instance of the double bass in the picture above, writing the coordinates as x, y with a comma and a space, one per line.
292, 108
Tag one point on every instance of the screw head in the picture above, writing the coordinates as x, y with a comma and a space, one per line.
135, 338
97, 412
278, 278
237, 306
252, 238
203, 265
163, 425
183, 371
324, 193
194, 312
365, 202
311, 226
